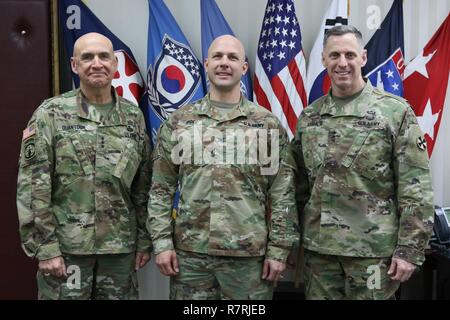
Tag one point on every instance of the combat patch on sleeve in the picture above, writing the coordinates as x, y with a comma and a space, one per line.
29, 150
422, 143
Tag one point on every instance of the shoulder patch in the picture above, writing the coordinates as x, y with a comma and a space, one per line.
28, 132
421, 143
29, 150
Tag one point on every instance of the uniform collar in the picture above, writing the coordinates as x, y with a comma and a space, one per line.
204, 107
89, 112
356, 107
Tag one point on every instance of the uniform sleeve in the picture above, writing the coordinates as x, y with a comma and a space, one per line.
162, 191
283, 229
34, 189
414, 191
139, 195
302, 190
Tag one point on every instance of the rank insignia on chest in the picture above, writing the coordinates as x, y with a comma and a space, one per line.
422, 143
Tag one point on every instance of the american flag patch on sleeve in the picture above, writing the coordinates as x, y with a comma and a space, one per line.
28, 132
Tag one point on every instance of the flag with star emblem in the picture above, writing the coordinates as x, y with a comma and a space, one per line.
213, 26
426, 81
318, 82
175, 76
280, 68
385, 64
76, 19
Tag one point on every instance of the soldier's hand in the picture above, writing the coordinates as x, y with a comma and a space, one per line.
55, 267
141, 259
272, 270
400, 270
167, 263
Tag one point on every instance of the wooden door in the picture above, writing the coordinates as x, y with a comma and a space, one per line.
25, 81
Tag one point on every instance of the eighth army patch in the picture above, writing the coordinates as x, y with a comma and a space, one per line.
421, 143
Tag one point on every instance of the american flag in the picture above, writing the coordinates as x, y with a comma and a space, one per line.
280, 64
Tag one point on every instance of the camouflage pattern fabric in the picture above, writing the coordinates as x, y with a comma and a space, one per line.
337, 277
96, 277
363, 182
226, 208
83, 180
206, 277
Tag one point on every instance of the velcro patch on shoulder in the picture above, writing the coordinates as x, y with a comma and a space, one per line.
28, 132
422, 143
29, 150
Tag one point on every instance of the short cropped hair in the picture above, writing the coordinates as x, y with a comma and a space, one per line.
341, 30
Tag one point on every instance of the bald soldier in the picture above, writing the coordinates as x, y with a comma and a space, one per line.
84, 176
364, 186
237, 218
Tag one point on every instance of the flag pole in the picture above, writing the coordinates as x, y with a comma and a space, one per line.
55, 48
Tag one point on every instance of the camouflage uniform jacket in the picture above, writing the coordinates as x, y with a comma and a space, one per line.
224, 203
83, 183
364, 186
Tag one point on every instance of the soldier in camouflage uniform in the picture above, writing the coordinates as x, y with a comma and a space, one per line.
237, 219
363, 190
83, 182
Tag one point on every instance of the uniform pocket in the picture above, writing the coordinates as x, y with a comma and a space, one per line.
251, 176
369, 154
127, 166
72, 161
314, 142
